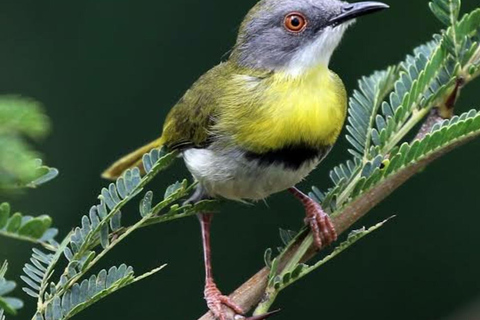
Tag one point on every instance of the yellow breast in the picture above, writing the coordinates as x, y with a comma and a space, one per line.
284, 111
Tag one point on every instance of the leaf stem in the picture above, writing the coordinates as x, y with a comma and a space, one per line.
417, 116
46, 245
272, 293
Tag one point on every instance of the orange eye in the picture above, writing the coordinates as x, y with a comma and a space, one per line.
295, 22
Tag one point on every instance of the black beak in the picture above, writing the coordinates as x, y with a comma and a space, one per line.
351, 11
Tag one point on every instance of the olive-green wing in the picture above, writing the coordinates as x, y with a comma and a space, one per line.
192, 121
188, 123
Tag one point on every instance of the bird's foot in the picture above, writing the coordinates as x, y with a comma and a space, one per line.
216, 301
324, 232
322, 227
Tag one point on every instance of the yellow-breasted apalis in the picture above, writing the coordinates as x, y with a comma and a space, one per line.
260, 122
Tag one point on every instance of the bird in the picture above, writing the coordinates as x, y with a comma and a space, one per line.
261, 121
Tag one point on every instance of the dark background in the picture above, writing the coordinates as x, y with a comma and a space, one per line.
109, 71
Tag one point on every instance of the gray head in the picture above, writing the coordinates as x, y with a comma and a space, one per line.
295, 35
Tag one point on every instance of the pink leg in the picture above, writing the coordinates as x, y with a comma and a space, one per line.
323, 230
215, 299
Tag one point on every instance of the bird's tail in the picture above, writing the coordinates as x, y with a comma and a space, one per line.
130, 161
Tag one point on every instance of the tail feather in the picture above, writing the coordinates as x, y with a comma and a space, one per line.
130, 161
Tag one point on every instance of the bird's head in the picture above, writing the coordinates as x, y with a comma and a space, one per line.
295, 35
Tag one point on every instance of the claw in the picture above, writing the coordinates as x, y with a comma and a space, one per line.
263, 316
216, 301
322, 228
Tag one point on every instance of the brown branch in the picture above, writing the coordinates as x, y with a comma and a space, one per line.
440, 113
251, 292
432, 119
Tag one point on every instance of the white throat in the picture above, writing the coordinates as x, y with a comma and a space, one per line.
318, 52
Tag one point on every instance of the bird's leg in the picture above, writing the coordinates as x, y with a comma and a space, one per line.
323, 230
215, 299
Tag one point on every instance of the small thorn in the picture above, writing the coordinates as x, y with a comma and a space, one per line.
264, 316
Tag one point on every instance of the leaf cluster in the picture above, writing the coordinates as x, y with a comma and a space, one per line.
390, 103
8, 304
99, 232
281, 281
22, 120
33, 229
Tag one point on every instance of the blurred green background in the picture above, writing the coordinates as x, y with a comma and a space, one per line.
108, 71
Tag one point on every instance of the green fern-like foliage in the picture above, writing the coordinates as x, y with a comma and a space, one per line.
422, 82
446, 11
8, 304
384, 110
99, 232
280, 282
27, 228
21, 118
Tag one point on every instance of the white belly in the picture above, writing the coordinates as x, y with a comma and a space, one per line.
231, 176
